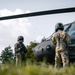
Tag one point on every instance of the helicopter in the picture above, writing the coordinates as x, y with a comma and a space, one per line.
46, 48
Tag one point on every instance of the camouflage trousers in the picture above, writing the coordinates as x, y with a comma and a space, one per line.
19, 60
61, 57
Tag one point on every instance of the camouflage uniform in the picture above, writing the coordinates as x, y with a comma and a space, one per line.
61, 40
20, 51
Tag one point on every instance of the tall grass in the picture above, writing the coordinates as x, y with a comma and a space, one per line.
36, 69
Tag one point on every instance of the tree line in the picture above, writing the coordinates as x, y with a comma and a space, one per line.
8, 56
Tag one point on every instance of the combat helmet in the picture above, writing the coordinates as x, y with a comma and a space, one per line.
20, 39
59, 26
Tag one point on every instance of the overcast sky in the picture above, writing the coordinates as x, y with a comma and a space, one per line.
32, 28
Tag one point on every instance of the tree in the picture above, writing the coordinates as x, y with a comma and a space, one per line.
7, 55
30, 54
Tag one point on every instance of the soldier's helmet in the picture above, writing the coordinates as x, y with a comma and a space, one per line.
59, 26
20, 39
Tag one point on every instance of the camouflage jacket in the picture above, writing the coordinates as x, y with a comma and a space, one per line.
20, 48
61, 39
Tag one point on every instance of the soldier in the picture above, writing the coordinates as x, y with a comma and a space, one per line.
61, 39
20, 51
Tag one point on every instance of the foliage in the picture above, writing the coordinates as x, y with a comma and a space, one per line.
30, 54
7, 55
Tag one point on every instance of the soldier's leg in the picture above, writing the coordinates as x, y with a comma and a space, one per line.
17, 60
57, 60
20, 61
23, 59
65, 58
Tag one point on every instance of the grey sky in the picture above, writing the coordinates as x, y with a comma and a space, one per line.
33, 28
35, 5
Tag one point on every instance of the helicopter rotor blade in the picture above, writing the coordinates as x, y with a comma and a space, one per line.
56, 11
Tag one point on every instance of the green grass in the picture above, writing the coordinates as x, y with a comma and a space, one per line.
36, 69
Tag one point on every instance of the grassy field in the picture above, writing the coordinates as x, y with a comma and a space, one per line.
36, 69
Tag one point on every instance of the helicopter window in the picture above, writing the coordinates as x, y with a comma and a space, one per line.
65, 27
71, 29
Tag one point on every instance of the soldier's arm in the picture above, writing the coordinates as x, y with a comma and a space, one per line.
68, 40
53, 39
25, 50
16, 48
